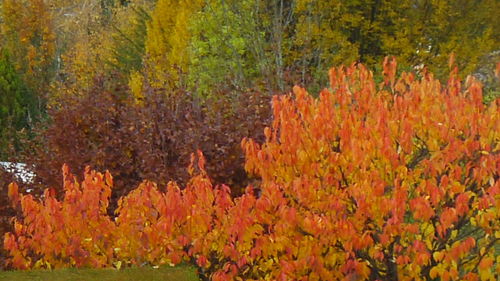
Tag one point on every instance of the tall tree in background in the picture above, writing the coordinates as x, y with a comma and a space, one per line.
264, 45
130, 30
83, 47
240, 44
231, 47
319, 39
420, 32
17, 105
166, 43
27, 32
226, 47
429, 31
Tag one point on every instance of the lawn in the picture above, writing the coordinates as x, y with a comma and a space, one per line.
178, 273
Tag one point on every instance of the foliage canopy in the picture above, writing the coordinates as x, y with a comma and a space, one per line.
366, 182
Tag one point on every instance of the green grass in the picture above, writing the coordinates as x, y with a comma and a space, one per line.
165, 273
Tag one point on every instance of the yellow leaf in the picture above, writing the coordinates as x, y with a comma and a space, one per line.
427, 230
428, 243
438, 256
434, 272
486, 275
482, 250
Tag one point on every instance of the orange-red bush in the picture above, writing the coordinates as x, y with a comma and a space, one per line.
73, 232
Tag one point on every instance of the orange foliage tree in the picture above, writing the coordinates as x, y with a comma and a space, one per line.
398, 181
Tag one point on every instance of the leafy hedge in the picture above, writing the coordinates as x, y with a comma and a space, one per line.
106, 128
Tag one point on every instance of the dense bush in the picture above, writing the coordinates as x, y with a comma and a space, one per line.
402, 183
151, 139
399, 183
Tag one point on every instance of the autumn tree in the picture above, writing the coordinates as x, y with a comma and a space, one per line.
398, 183
130, 29
78, 222
419, 32
84, 46
27, 32
166, 44
228, 48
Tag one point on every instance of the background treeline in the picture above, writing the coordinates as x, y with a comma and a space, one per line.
136, 86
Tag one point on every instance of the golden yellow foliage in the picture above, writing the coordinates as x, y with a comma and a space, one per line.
27, 32
167, 41
135, 84
420, 33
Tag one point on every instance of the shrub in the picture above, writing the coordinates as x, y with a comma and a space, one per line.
396, 183
85, 130
106, 129
151, 226
73, 232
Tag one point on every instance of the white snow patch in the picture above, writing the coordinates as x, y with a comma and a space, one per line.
20, 171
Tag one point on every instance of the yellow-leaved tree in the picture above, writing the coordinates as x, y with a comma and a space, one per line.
27, 32
420, 33
167, 44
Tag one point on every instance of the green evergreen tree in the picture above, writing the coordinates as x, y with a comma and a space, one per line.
17, 106
129, 42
